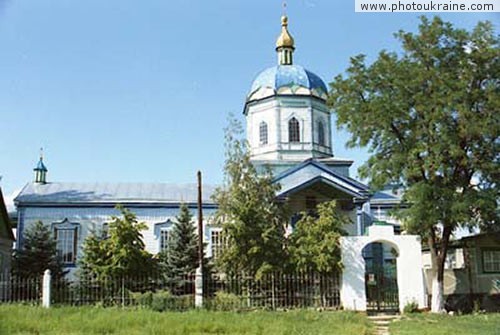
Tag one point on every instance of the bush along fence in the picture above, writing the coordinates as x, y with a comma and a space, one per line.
218, 292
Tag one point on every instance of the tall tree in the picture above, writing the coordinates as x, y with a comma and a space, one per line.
121, 252
38, 253
251, 217
315, 242
430, 116
180, 258
96, 258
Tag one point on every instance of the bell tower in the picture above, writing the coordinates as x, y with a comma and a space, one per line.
287, 117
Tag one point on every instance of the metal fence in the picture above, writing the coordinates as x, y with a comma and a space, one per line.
20, 289
272, 291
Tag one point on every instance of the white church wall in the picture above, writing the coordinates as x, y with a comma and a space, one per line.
92, 218
269, 113
409, 267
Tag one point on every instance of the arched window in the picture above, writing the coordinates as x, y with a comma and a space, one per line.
263, 133
321, 133
293, 130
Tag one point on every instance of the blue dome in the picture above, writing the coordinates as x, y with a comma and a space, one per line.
287, 79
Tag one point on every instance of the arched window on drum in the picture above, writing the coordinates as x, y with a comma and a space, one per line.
293, 130
263, 133
321, 133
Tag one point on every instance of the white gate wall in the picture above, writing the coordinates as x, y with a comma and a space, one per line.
409, 267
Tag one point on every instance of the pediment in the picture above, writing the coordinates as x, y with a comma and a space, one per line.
312, 173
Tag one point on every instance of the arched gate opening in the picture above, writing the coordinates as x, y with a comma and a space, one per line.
381, 283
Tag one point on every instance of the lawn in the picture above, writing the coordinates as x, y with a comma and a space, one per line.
15, 319
430, 324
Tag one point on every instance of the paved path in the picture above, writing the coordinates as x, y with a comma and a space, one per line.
381, 323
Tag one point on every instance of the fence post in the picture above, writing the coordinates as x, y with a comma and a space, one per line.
198, 288
273, 294
46, 289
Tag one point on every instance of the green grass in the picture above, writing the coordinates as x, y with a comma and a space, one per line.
15, 319
431, 324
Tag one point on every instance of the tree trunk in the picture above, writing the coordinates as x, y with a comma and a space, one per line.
438, 257
437, 302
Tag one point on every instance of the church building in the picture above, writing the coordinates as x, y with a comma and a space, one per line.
289, 129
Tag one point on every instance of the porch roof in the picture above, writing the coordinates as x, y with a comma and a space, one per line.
311, 172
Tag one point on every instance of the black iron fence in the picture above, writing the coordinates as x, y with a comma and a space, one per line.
273, 291
220, 292
121, 291
20, 289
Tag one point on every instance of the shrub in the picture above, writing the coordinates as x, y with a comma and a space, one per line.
162, 301
224, 301
182, 302
142, 299
411, 307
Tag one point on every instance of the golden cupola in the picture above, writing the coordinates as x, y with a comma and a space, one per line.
285, 44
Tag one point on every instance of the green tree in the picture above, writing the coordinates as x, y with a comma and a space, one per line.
314, 244
180, 258
251, 217
119, 253
38, 253
430, 116
96, 258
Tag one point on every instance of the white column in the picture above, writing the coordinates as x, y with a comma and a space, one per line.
198, 288
46, 289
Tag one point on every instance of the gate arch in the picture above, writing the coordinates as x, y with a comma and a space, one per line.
409, 274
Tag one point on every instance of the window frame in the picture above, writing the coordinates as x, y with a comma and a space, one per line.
491, 249
321, 133
164, 242
216, 248
158, 228
263, 133
66, 226
293, 130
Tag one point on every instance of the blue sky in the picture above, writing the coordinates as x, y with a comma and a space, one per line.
140, 90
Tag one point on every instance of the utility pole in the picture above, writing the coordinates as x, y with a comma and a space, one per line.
200, 223
198, 283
